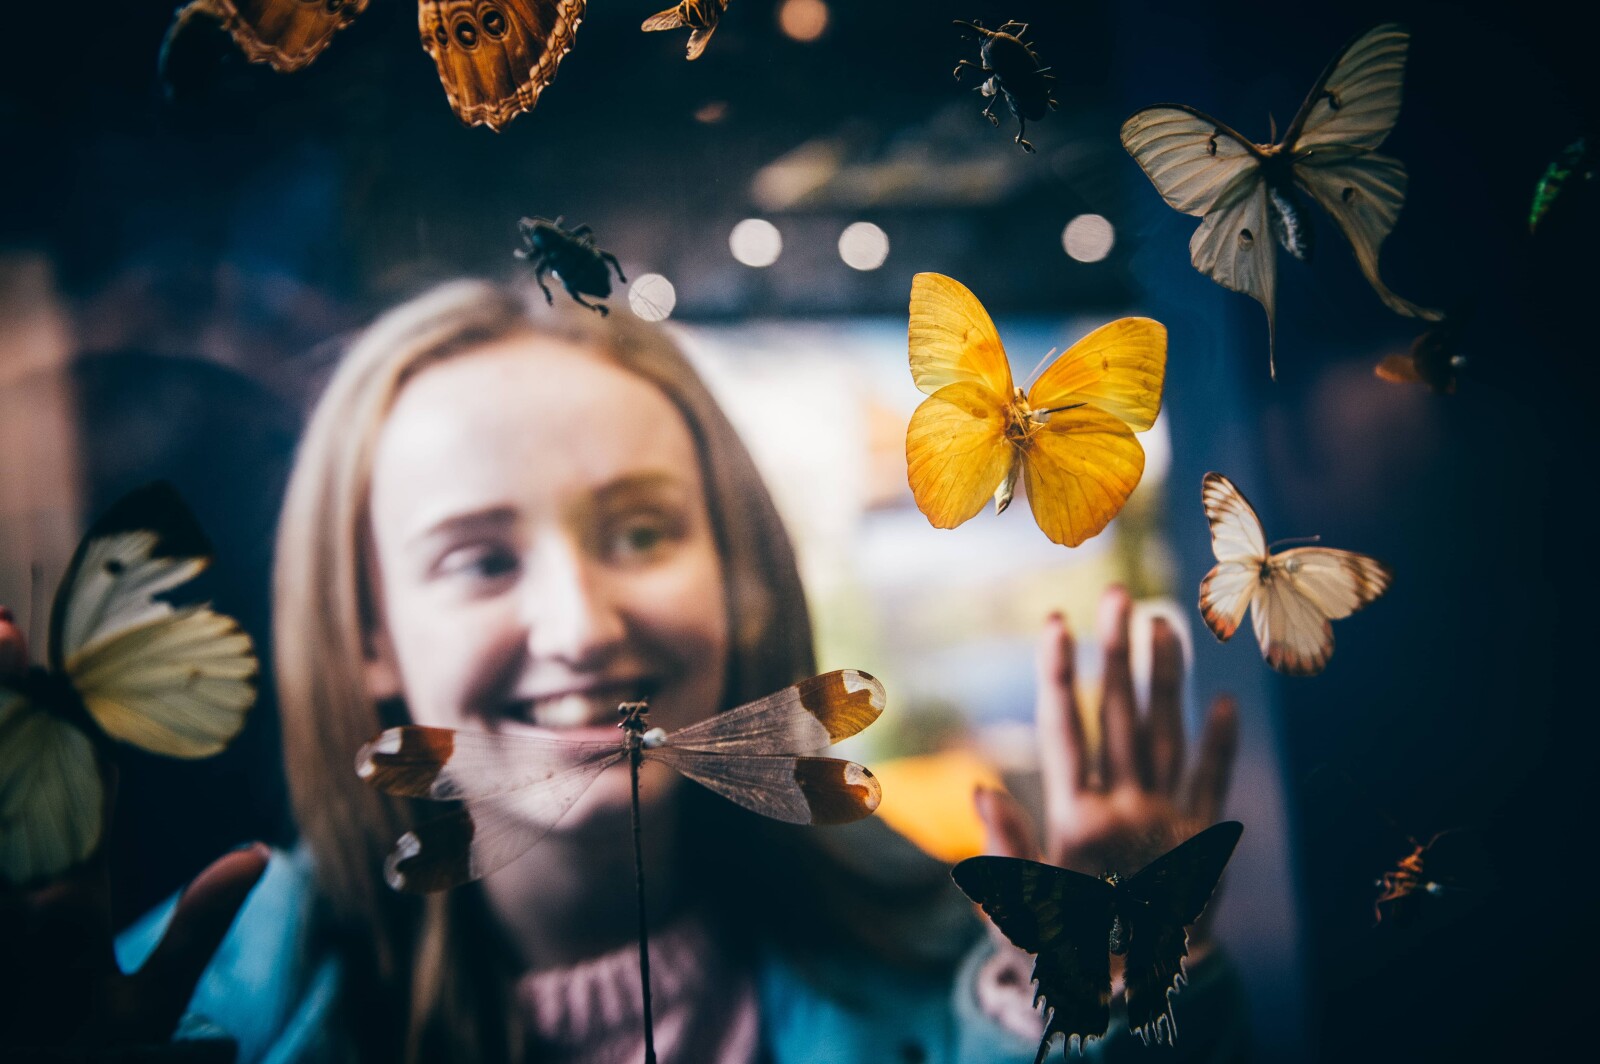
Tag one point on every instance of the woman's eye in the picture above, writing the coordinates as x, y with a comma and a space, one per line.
478, 563
640, 539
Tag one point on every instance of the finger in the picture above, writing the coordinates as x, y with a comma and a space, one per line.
205, 912
1118, 722
1007, 828
1209, 787
1062, 767
1164, 722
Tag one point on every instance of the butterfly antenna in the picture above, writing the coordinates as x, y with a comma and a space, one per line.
1272, 127
1293, 539
1033, 376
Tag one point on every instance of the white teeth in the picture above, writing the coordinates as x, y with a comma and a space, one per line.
568, 711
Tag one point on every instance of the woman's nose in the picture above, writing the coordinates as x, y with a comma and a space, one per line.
569, 608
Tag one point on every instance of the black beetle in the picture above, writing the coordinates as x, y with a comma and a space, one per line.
1012, 70
571, 256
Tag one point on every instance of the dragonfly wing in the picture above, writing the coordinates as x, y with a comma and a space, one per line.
799, 790
487, 833
802, 718
442, 764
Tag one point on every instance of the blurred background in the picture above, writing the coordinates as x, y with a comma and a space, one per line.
181, 264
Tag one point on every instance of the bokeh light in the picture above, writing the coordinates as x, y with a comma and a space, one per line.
756, 242
652, 297
1089, 237
803, 20
863, 246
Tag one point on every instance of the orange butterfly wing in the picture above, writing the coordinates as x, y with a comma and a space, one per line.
1084, 461
496, 56
957, 453
288, 34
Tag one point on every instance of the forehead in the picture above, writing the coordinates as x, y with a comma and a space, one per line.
525, 420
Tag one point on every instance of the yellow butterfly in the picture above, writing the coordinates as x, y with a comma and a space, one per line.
1293, 595
1070, 439
1254, 195
122, 665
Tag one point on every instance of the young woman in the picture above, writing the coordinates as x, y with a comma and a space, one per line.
506, 518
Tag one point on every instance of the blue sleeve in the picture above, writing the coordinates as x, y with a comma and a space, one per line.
263, 988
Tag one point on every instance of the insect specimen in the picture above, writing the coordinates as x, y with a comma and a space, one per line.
1012, 72
572, 256
494, 56
1070, 438
516, 787
700, 17
1434, 359
1292, 595
1573, 160
122, 666
1251, 196
1409, 877
1073, 922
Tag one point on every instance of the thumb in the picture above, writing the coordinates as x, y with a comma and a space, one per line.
204, 913
1007, 828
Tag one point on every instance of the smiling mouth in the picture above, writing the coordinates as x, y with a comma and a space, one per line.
588, 707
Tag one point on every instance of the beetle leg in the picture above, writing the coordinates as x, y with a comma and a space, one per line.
1022, 127
578, 298
615, 265
582, 230
964, 63
988, 112
538, 276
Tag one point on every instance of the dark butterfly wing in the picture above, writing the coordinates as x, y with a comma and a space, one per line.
1064, 919
1157, 904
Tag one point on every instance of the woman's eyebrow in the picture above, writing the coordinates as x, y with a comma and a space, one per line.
488, 519
652, 485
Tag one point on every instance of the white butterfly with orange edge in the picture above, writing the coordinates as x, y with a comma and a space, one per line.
1292, 595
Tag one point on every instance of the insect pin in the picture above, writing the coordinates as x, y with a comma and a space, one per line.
571, 255
1012, 72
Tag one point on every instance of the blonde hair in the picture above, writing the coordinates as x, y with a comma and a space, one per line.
323, 614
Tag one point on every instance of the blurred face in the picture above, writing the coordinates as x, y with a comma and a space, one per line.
543, 551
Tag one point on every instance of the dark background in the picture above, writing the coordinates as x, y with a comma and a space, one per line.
213, 248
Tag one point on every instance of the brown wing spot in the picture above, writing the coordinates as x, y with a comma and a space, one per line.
466, 33
114, 567
842, 703
436, 855
837, 792
494, 23
1246, 238
1348, 193
406, 760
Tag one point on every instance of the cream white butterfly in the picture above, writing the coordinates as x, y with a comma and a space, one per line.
1252, 195
122, 665
1292, 595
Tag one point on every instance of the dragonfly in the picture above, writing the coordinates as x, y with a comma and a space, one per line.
514, 789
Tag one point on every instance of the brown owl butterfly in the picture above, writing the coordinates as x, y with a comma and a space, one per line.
494, 56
